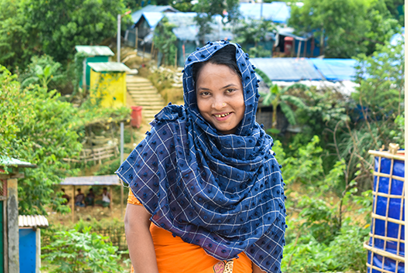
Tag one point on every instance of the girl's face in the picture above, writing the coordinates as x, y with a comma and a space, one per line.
220, 97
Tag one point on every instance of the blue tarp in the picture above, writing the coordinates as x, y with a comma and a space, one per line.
153, 18
150, 8
287, 69
335, 69
277, 12
397, 37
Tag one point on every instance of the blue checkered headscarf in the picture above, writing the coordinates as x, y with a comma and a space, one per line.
221, 192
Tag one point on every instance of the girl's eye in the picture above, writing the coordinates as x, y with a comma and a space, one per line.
205, 93
230, 90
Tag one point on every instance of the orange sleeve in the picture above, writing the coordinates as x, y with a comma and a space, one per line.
132, 199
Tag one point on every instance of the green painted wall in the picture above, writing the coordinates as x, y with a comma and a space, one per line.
96, 59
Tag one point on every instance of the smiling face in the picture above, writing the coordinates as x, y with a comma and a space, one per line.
220, 97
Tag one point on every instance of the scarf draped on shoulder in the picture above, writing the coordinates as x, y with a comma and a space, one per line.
223, 193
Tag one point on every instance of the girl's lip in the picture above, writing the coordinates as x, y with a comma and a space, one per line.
222, 118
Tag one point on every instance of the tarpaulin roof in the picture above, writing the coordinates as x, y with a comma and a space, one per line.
335, 69
287, 69
153, 18
7, 161
94, 50
102, 180
186, 28
150, 8
109, 67
397, 37
32, 221
277, 12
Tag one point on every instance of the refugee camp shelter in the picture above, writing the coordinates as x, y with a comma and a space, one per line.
108, 83
144, 22
95, 54
92, 181
30, 241
9, 240
277, 12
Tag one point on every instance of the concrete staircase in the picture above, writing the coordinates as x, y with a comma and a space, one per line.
144, 94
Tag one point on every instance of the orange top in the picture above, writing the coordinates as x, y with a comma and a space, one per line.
175, 255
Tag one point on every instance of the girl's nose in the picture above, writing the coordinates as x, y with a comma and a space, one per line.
218, 104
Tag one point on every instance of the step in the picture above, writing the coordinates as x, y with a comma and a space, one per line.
137, 85
143, 91
150, 98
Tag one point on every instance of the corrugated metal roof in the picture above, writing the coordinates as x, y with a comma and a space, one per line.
32, 221
287, 69
15, 162
278, 12
94, 50
109, 67
151, 8
102, 180
335, 69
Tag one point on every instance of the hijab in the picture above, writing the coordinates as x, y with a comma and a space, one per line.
223, 193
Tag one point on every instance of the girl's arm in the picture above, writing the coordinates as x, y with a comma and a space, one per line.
256, 269
139, 239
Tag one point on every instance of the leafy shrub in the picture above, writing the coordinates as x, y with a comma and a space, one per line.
73, 251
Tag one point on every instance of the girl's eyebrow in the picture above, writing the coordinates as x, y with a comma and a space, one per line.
228, 85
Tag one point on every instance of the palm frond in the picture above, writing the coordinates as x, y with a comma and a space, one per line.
294, 100
288, 112
264, 77
295, 86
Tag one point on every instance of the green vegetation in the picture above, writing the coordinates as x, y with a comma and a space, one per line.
351, 27
165, 40
74, 251
206, 9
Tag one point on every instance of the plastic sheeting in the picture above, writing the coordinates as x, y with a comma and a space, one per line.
153, 18
335, 69
151, 8
287, 69
277, 12
393, 207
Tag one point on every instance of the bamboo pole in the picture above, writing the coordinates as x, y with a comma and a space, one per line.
137, 37
73, 204
151, 51
111, 200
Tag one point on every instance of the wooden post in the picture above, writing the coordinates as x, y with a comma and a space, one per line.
12, 226
73, 204
121, 198
175, 60
137, 37
144, 47
304, 49
151, 51
111, 199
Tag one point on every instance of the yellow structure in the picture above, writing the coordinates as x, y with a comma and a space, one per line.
108, 83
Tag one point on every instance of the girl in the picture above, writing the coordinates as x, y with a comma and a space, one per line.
206, 177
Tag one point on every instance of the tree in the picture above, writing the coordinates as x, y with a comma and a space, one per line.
251, 32
206, 9
43, 135
55, 27
165, 40
348, 27
13, 53
183, 5
43, 71
278, 97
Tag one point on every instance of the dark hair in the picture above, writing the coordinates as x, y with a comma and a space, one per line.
78, 190
105, 188
225, 56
